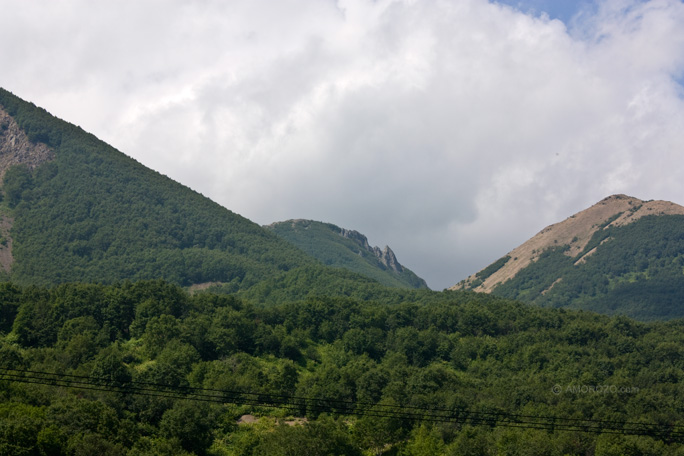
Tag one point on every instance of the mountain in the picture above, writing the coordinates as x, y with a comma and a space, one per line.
349, 249
339, 365
620, 256
76, 209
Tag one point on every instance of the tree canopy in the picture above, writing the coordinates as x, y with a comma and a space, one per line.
455, 351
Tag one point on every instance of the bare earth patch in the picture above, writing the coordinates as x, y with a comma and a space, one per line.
203, 286
251, 419
247, 419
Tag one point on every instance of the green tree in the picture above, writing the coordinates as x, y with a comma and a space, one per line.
109, 368
190, 423
10, 296
20, 425
17, 181
324, 437
35, 324
424, 442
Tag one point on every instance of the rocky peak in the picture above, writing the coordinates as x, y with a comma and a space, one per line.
386, 255
358, 237
388, 258
16, 148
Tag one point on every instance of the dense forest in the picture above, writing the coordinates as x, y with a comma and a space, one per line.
636, 270
155, 369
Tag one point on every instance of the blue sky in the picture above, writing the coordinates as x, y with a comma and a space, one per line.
451, 131
563, 10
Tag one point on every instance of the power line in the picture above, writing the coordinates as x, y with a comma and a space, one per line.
299, 404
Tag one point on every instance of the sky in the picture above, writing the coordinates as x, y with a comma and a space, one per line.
450, 130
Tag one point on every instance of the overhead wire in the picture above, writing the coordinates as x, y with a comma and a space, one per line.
302, 405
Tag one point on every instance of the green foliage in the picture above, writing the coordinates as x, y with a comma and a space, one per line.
109, 367
409, 348
16, 184
424, 442
492, 268
35, 324
20, 426
323, 437
190, 423
9, 305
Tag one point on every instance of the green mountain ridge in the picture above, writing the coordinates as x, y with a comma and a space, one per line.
87, 212
621, 256
349, 249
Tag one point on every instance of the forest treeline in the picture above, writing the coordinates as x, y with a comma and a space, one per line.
453, 350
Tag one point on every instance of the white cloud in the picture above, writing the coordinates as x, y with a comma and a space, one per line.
451, 131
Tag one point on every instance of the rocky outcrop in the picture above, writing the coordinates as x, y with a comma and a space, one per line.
386, 255
16, 148
356, 236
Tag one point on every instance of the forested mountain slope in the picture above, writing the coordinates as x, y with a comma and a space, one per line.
79, 210
620, 256
349, 249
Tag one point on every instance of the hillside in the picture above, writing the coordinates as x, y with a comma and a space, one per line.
76, 209
349, 249
622, 255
